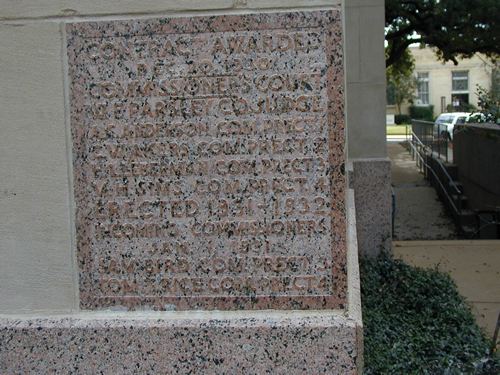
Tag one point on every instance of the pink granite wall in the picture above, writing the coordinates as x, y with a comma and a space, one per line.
209, 161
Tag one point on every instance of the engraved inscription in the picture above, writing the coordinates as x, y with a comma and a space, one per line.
209, 162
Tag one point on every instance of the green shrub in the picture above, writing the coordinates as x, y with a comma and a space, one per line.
422, 112
416, 322
489, 100
402, 119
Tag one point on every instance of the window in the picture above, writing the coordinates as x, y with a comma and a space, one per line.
460, 90
423, 88
460, 82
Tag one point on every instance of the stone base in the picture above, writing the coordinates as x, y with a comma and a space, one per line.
181, 343
192, 342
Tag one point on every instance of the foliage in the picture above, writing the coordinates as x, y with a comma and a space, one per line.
404, 66
422, 112
401, 83
415, 322
489, 100
457, 28
402, 119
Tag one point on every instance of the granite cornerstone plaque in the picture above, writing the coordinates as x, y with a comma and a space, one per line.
208, 158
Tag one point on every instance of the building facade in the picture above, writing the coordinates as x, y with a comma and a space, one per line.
446, 86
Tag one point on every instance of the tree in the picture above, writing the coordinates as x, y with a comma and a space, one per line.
457, 28
489, 101
401, 83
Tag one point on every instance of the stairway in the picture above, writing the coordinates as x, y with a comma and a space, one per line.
451, 192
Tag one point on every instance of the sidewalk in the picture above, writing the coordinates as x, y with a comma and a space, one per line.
473, 265
396, 138
420, 215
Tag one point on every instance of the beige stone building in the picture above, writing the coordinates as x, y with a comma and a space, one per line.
446, 86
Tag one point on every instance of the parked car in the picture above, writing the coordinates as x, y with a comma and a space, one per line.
443, 127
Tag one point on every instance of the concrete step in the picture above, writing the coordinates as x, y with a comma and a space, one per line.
452, 170
469, 232
457, 184
461, 201
467, 218
489, 228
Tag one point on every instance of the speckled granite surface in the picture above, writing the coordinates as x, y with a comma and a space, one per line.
372, 186
192, 342
208, 158
322, 343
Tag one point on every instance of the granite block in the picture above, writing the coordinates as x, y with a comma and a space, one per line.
208, 159
372, 191
180, 343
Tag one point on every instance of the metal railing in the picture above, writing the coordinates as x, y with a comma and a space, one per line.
430, 148
434, 136
420, 153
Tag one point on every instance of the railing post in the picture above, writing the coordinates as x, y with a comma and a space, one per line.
433, 141
440, 139
412, 151
446, 149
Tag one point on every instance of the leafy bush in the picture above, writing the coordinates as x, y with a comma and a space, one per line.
416, 322
402, 119
489, 100
422, 112
477, 118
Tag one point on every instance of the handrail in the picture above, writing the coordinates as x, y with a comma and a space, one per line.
427, 150
419, 141
436, 133
452, 182
423, 122
436, 176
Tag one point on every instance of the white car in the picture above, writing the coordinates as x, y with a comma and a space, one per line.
443, 127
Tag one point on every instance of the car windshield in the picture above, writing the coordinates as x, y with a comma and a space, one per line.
447, 119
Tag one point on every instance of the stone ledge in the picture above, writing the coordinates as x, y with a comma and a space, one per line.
194, 342
39, 10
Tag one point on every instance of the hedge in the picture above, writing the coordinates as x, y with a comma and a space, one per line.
416, 322
402, 119
422, 112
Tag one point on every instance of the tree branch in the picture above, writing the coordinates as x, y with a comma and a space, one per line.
396, 51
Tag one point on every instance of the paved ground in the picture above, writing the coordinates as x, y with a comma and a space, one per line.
419, 213
396, 138
474, 265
